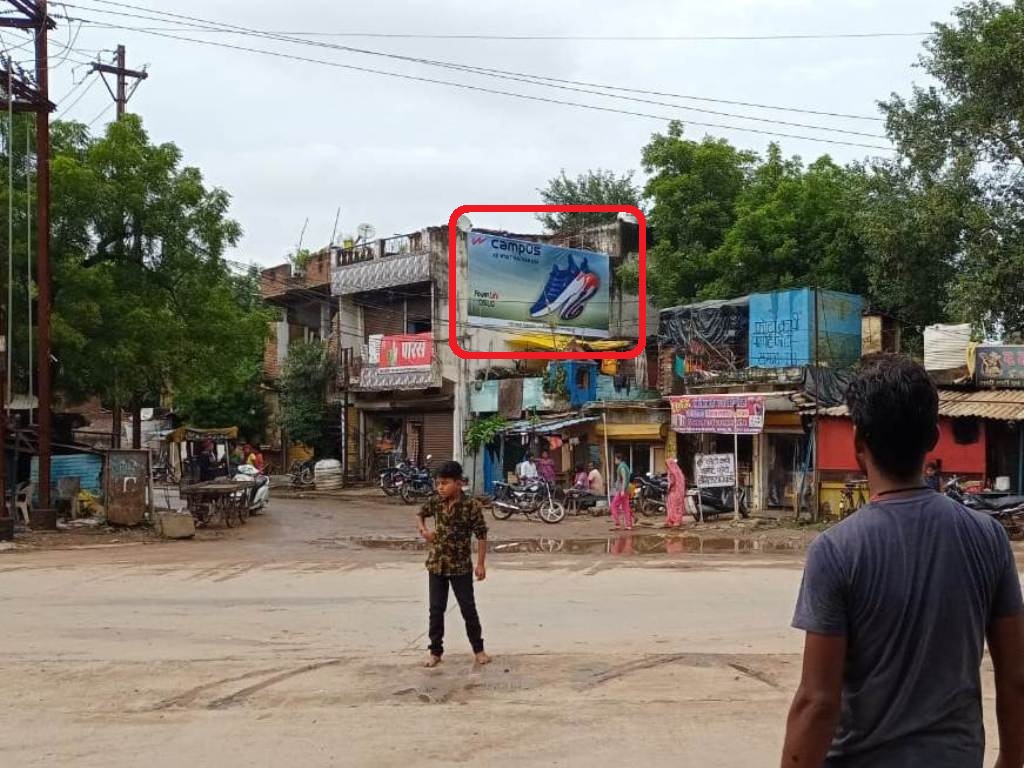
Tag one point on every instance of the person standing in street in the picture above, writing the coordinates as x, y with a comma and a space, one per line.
897, 602
621, 512
675, 504
457, 519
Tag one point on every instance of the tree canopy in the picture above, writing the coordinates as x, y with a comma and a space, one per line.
595, 187
144, 301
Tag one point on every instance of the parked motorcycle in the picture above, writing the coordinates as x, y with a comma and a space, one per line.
651, 497
391, 479
580, 501
300, 474
417, 485
257, 496
533, 499
1008, 510
715, 502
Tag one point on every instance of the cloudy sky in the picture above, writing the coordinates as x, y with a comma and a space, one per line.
292, 140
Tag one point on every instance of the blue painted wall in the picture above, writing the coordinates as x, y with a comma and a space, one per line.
85, 466
783, 328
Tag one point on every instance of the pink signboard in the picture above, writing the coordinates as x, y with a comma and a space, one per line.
718, 414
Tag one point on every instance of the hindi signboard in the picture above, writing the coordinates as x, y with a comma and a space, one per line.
407, 351
715, 470
1000, 366
718, 414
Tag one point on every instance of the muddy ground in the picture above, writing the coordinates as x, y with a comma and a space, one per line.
294, 641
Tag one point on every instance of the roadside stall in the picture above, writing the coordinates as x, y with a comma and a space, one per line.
186, 443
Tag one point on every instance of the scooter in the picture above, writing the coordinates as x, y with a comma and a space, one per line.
257, 496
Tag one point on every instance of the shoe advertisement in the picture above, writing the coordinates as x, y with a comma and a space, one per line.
528, 285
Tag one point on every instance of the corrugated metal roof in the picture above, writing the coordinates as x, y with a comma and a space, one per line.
998, 404
545, 427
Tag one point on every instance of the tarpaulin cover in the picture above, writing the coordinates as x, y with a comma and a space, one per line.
712, 335
828, 385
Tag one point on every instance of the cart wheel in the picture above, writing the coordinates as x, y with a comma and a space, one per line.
226, 513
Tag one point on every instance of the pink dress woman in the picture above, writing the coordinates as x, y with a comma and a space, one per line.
676, 503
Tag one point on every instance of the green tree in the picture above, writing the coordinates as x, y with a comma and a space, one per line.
595, 187
794, 227
144, 301
308, 370
693, 188
968, 126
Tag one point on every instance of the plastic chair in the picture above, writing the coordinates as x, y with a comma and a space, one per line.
23, 501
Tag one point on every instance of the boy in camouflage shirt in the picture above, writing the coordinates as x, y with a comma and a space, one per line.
457, 519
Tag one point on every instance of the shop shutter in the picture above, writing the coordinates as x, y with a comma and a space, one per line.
437, 436
387, 319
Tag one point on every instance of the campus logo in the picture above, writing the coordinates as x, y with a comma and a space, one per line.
478, 239
567, 291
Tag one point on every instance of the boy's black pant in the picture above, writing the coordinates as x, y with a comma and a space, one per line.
462, 586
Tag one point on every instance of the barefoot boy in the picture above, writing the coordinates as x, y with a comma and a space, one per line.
457, 519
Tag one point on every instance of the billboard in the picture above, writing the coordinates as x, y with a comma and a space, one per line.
1000, 366
718, 414
414, 350
715, 470
525, 285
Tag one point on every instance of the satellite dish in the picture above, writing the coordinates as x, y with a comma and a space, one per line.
464, 225
366, 232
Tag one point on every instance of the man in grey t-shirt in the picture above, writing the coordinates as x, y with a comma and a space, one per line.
897, 601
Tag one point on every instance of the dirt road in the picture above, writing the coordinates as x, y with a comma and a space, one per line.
293, 643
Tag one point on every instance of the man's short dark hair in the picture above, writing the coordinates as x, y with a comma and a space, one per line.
450, 470
894, 405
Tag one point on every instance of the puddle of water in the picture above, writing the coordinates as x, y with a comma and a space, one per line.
623, 544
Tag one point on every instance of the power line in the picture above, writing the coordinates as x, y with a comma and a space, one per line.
195, 23
511, 94
106, 108
82, 95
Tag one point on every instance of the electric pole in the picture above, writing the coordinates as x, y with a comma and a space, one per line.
34, 18
121, 95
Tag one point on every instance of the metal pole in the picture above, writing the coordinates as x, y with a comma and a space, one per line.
607, 456
735, 466
43, 266
28, 268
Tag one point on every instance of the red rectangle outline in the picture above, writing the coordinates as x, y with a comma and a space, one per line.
453, 232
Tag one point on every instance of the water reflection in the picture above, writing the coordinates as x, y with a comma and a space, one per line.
622, 544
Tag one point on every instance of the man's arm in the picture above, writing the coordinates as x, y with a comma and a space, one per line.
421, 522
480, 531
1006, 646
814, 714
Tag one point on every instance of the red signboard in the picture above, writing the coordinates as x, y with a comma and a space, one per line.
415, 350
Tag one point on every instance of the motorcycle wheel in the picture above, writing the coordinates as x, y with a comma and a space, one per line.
389, 485
649, 508
500, 513
407, 493
306, 476
552, 512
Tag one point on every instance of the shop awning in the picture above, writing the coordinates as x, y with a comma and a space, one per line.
545, 341
634, 431
997, 404
198, 434
545, 427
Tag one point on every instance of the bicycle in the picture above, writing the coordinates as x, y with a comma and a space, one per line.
847, 504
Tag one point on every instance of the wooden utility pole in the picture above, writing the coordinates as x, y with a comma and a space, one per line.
120, 92
121, 95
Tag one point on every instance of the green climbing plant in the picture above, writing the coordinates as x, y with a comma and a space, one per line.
483, 431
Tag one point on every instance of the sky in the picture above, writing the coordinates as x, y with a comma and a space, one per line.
293, 141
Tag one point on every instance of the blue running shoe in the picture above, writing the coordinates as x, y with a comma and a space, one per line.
558, 281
